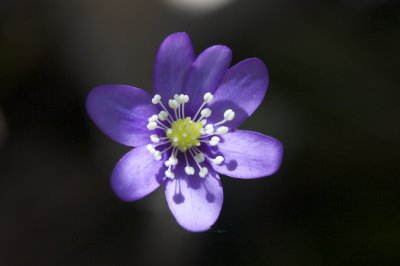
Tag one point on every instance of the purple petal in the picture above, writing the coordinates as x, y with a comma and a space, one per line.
249, 154
121, 112
137, 174
174, 59
194, 201
205, 74
242, 90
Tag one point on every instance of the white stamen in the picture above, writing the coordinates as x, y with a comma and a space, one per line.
199, 157
169, 174
173, 160
182, 98
151, 125
150, 148
162, 116
154, 138
229, 115
157, 155
203, 171
209, 129
153, 118
169, 131
214, 141
206, 112
222, 130
156, 99
173, 104
218, 160
176, 98
208, 97
189, 170
185, 98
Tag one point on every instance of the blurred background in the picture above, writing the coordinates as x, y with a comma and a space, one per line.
332, 101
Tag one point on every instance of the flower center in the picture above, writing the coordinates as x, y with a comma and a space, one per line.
184, 133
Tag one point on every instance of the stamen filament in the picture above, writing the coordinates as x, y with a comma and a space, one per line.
161, 125
220, 122
198, 111
217, 160
166, 149
165, 109
188, 169
192, 153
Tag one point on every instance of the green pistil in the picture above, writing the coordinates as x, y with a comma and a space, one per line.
184, 133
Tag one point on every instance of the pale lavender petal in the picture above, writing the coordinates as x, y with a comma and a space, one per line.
205, 74
195, 202
137, 174
174, 59
249, 154
242, 90
121, 112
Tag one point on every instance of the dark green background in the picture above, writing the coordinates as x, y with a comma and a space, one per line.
333, 101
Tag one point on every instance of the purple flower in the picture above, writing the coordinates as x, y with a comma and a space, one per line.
186, 133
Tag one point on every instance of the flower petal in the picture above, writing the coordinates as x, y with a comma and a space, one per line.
137, 174
173, 61
194, 201
249, 154
242, 90
205, 74
121, 112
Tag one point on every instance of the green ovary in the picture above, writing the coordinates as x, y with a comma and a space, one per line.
184, 133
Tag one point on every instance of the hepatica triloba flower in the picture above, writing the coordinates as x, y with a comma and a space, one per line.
186, 134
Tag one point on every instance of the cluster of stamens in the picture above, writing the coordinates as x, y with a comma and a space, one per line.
185, 134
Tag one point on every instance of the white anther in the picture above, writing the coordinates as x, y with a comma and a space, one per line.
151, 125
208, 97
169, 174
163, 115
173, 160
203, 171
183, 98
176, 97
157, 155
150, 148
218, 160
203, 122
153, 118
206, 112
209, 129
189, 170
173, 104
199, 158
229, 115
214, 141
169, 131
154, 138
222, 130
156, 99
175, 139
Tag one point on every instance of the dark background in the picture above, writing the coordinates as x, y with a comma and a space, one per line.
333, 101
